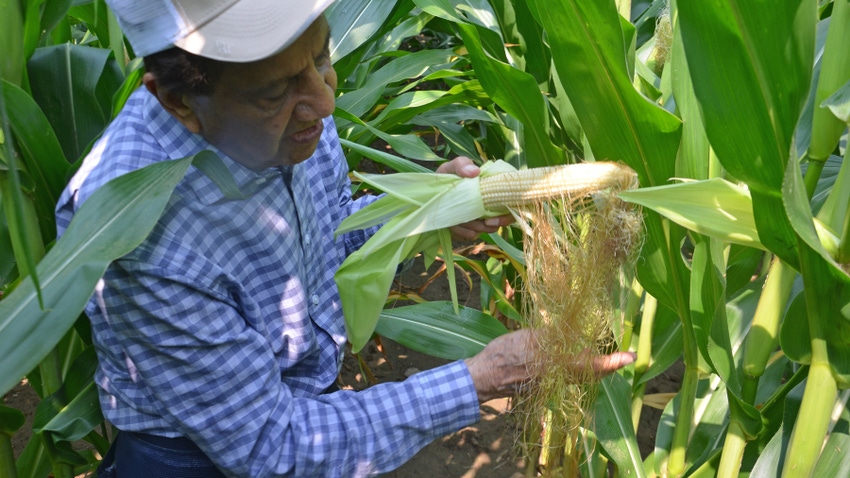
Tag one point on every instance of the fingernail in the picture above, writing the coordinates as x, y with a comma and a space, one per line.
492, 222
470, 169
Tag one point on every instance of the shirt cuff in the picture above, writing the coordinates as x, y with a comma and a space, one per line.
451, 397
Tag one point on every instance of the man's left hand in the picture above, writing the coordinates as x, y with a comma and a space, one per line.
469, 231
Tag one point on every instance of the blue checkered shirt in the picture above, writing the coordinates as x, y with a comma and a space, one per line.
225, 325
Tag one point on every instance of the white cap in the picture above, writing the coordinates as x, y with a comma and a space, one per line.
226, 30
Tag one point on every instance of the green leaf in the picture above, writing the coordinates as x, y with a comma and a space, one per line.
410, 146
434, 328
711, 422
41, 154
19, 210
76, 419
769, 464
714, 207
365, 280
591, 57
834, 459
399, 164
613, 425
54, 11
693, 160
11, 419
751, 70
111, 223
358, 102
794, 335
8, 267
74, 86
135, 71
839, 103
519, 95
353, 23
667, 343
827, 284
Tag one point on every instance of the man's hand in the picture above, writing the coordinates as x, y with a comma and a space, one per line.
468, 231
509, 361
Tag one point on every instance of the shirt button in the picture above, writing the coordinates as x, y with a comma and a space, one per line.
307, 239
315, 299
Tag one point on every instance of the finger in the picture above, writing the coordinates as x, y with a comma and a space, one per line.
464, 233
460, 166
606, 364
470, 230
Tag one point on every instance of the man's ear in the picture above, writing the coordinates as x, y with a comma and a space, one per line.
177, 106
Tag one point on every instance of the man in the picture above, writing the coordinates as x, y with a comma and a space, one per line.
219, 339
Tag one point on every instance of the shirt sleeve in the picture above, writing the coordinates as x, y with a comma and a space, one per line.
215, 378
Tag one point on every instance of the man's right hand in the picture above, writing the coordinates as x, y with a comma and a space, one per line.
509, 361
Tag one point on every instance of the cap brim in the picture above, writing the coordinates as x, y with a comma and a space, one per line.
252, 30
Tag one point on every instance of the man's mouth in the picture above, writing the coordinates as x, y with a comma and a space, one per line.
308, 135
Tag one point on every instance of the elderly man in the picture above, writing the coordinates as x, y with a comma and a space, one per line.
219, 339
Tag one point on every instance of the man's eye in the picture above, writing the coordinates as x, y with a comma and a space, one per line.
277, 98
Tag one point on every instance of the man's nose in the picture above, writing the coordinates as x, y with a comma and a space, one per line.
317, 96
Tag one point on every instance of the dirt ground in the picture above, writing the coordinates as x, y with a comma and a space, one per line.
485, 450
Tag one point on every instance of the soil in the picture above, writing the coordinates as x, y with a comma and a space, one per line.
484, 450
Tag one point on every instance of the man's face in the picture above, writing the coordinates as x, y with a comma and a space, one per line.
269, 113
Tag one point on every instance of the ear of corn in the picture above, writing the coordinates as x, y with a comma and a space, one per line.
417, 206
533, 186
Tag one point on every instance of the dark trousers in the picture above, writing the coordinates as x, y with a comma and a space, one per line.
138, 455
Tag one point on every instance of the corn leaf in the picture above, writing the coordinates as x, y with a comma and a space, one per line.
834, 460
396, 163
751, 69
827, 128
111, 223
613, 425
839, 103
436, 329
619, 123
88, 78
667, 343
364, 282
376, 214
76, 419
413, 65
517, 93
713, 207
353, 22
827, 284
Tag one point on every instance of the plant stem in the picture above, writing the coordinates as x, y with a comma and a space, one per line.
812, 420
637, 404
733, 449
709, 468
644, 355
629, 313
763, 337
681, 435
644, 352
